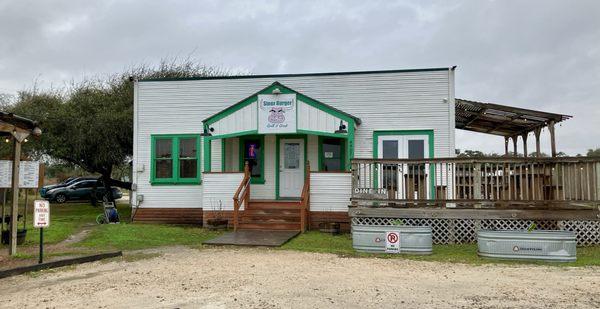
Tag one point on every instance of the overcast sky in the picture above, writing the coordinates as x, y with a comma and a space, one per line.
532, 54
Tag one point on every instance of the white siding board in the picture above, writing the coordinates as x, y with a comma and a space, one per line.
220, 187
330, 191
312, 152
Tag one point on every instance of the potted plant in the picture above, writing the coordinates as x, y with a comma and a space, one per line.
218, 222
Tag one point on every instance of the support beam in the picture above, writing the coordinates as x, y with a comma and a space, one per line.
552, 137
537, 132
506, 146
524, 136
515, 140
15, 197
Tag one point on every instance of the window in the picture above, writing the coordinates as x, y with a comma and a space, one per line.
252, 151
331, 154
175, 159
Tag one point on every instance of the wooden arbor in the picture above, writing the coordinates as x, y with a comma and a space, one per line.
18, 129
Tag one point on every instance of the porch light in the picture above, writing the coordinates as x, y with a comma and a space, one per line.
206, 131
276, 91
342, 128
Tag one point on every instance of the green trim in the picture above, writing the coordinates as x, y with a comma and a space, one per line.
277, 155
342, 154
253, 180
222, 155
207, 153
350, 147
431, 142
175, 179
284, 90
294, 75
242, 133
319, 133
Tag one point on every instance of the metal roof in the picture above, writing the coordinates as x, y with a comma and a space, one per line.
501, 120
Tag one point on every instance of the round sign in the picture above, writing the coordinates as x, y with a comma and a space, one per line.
392, 238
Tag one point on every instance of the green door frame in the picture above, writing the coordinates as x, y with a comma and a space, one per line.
278, 153
431, 141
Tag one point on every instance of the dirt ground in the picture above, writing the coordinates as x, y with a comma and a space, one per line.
264, 278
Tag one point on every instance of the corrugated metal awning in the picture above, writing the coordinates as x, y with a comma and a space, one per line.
502, 120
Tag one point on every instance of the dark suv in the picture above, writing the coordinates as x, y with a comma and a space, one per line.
80, 191
65, 183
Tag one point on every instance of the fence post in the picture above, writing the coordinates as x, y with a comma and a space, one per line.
477, 181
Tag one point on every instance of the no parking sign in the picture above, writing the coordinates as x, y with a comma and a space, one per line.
392, 242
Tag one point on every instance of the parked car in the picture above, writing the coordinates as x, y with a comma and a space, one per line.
66, 182
80, 191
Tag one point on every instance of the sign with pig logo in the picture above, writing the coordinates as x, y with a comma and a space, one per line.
276, 113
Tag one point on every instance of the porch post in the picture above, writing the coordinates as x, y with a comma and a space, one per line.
537, 132
15, 196
506, 146
552, 137
524, 136
515, 140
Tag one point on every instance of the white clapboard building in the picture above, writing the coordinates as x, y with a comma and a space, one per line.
193, 137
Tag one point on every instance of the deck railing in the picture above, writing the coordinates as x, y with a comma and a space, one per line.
305, 200
499, 180
241, 196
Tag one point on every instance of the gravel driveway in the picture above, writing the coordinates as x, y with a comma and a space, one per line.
261, 278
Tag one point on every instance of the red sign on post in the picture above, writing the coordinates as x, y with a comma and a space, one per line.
41, 214
392, 242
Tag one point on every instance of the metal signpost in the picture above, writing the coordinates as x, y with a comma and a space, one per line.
41, 220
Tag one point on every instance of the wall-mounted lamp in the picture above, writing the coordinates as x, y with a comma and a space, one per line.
342, 128
207, 131
276, 91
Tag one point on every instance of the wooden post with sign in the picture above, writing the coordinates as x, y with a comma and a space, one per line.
41, 220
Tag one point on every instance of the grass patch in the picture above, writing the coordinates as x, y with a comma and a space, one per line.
65, 220
464, 253
126, 236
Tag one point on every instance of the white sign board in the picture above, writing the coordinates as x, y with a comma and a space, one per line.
29, 174
41, 214
392, 242
276, 113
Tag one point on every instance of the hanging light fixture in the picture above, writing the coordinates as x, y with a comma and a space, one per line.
342, 128
207, 131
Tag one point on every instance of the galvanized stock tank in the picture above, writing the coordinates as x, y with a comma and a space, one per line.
371, 238
544, 245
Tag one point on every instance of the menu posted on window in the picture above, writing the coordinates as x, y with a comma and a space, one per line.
41, 214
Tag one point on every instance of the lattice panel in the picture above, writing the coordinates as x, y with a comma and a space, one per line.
448, 231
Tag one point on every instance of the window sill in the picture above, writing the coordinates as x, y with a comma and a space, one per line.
176, 183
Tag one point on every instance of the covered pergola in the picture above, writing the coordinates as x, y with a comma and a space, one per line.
507, 121
17, 129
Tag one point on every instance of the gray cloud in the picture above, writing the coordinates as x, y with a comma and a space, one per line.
533, 54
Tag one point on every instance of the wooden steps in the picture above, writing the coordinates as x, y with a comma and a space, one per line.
271, 215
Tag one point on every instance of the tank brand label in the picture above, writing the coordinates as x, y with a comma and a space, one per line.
517, 248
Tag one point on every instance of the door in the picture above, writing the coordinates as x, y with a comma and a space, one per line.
404, 181
291, 167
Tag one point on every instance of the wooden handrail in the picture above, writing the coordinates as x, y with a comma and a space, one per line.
243, 190
305, 200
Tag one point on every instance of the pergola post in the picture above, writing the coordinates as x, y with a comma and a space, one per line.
552, 137
537, 133
524, 136
506, 146
15, 196
515, 140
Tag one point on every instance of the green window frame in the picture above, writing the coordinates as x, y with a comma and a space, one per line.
176, 178
342, 157
261, 162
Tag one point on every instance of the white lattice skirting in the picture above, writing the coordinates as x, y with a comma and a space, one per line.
458, 231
